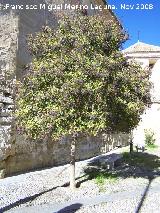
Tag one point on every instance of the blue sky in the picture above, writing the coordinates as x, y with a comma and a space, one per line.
147, 21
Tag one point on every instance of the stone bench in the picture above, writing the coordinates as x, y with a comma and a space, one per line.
110, 161
138, 147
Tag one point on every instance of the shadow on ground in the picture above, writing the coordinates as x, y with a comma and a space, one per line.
33, 197
71, 209
135, 165
28, 199
130, 165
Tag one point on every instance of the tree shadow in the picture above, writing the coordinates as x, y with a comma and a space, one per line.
70, 209
144, 196
29, 198
137, 164
33, 197
130, 165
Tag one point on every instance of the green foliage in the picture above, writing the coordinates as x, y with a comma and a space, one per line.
152, 146
79, 81
149, 138
141, 159
126, 155
102, 177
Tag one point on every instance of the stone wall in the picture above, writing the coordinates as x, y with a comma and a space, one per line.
29, 155
8, 49
16, 153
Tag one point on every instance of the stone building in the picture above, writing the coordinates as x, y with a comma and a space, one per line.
16, 153
148, 56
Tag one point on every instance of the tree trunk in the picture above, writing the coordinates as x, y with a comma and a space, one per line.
72, 164
131, 146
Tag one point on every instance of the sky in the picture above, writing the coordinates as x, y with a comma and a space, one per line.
144, 20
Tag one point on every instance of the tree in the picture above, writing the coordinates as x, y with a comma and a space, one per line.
80, 83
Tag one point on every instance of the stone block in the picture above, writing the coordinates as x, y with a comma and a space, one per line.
2, 173
7, 100
5, 120
110, 161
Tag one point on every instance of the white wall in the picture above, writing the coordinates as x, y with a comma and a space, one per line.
151, 117
155, 78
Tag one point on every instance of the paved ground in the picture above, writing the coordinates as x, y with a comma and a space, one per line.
135, 190
106, 203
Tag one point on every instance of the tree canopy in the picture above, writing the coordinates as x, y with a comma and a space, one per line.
79, 81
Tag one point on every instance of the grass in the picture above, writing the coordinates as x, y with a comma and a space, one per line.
135, 164
141, 160
102, 177
152, 146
